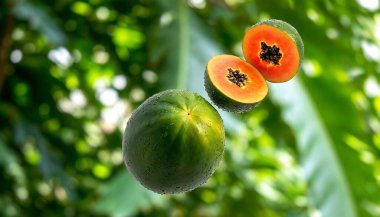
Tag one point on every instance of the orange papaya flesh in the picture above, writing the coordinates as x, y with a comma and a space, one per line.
275, 48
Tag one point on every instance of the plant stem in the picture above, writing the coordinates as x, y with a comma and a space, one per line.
183, 47
5, 44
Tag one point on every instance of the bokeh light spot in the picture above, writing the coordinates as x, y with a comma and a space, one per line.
197, 3
102, 13
22, 193
62, 57
81, 8
60, 193
371, 51
108, 96
372, 87
78, 99
166, 18
18, 34
149, 76
101, 171
119, 82
370, 5
16, 56
208, 196
138, 94
44, 189
100, 57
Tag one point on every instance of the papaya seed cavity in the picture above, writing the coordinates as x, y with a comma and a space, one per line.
270, 54
237, 77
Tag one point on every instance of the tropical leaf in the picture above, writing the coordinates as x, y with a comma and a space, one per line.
123, 196
39, 19
341, 184
50, 165
10, 162
187, 45
334, 140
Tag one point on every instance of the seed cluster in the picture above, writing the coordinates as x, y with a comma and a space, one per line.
270, 53
236, 77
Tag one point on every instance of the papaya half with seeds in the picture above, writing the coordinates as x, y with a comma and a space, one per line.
275, 48
173, 142
233, 84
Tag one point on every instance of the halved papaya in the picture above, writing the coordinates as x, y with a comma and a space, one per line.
233, 84
275, 48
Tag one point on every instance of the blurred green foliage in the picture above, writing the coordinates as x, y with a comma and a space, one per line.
71, 73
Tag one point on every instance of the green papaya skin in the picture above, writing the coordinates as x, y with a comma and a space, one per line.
173, 142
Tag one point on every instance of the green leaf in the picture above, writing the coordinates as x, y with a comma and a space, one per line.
10, 162
186, 46
124, 196
50, 165
39, 19
341, 184
189, 45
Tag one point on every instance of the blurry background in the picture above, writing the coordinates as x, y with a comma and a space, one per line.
72, 71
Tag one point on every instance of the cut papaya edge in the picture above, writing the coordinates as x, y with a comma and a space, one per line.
233, 84
275, 48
